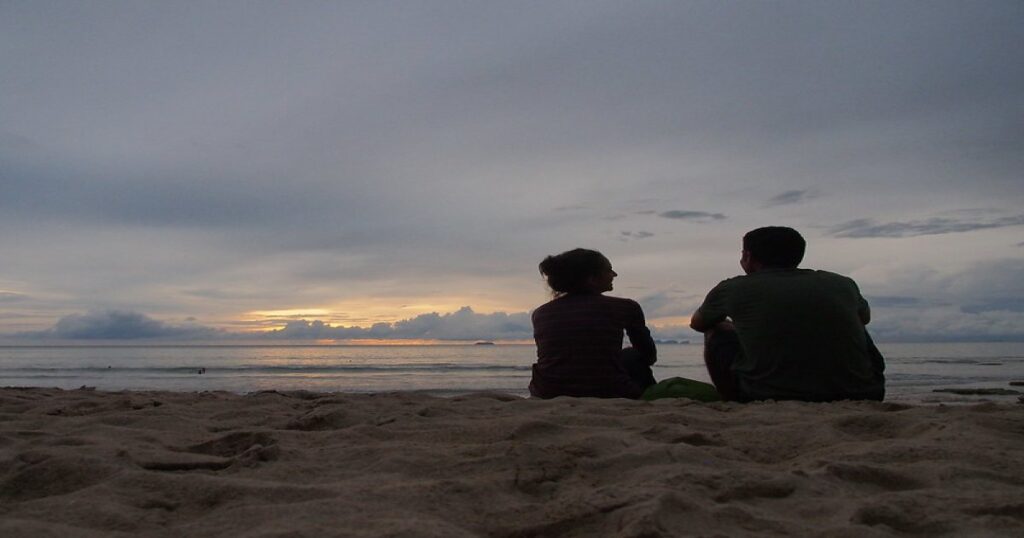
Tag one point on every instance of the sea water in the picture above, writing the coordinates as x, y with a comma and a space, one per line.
914, 371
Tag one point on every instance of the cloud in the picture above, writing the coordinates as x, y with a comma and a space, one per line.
317, 330
1009, 304
992, 287
11, 297
463, 324
934, 226
119, 325
982, 301
945, 324
696, 216
667, 304
627, 235
792, 197
893, 302
205, 186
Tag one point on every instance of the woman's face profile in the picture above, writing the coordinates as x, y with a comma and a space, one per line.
602, 281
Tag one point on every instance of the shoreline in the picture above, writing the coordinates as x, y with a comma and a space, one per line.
87, 463
913, 372
998, 393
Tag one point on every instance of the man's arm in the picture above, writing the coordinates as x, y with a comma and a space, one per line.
712, 311
698, 323
863, 310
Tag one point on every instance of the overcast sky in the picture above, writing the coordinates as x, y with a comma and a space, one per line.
195, 169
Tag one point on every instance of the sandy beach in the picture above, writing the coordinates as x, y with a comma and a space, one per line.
91, 463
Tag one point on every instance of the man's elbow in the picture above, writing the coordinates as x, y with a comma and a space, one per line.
697, 323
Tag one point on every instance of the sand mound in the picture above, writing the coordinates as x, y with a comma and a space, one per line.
86, 463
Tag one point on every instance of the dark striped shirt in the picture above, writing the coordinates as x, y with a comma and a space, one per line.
579, 343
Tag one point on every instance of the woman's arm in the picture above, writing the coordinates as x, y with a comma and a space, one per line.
640, 336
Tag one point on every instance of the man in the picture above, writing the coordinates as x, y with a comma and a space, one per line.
794, 334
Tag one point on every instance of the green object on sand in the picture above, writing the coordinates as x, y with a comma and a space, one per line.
680, 387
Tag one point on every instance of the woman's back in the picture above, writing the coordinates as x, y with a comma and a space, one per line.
579, 344
579, 333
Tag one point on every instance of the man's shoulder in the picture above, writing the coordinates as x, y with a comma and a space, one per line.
737, 280
831, 277
824, 273
792, 279
798, 274
727, 288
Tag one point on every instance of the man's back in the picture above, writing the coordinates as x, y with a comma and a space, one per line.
801, 334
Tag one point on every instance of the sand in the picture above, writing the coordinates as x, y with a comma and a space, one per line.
88, 463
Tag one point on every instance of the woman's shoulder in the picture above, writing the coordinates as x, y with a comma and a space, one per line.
554, 305
580, 298
621, 304
616, 300
590, 300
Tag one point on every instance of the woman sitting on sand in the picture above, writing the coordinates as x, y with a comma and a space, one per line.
579, 333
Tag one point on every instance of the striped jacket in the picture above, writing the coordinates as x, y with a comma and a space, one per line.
579, 341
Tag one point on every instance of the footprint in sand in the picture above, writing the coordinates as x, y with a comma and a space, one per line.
247, 448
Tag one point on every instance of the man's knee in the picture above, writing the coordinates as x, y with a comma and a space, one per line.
721, 346
722, 335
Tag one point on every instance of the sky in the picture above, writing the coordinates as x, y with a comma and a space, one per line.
396, 170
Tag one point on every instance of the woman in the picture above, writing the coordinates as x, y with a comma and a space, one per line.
579, 333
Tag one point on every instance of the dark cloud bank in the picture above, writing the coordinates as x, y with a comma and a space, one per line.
463, 324
120, 325
982, 303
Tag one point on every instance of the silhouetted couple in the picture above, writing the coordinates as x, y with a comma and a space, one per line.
777, 332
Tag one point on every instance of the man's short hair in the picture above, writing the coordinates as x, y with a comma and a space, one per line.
775, 246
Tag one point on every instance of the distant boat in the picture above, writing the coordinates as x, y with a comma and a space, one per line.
484, 344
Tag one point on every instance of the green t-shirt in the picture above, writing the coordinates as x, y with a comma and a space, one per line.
800, 333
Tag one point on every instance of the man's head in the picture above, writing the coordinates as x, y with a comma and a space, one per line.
772, 247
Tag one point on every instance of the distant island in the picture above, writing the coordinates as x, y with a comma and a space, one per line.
484, 344
671, 342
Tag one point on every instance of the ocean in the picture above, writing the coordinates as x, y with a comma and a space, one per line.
914, 371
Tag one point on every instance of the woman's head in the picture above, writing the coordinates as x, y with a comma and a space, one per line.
578, 271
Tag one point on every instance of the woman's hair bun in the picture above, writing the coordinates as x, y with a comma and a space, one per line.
569, 271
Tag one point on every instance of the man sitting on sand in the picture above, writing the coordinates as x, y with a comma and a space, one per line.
794, 334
